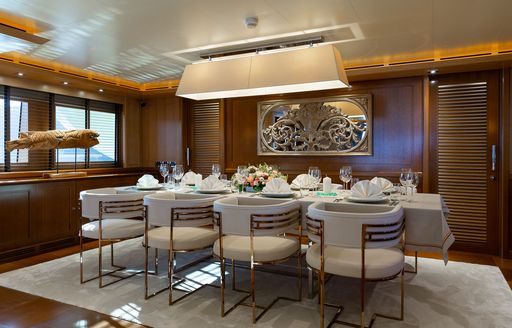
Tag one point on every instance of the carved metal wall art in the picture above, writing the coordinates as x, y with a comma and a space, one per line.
316, 126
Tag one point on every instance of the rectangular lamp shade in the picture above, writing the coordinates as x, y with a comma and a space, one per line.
308, 69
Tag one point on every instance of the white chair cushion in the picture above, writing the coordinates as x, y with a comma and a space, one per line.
379, 263
113, 229
266, 248
184, 238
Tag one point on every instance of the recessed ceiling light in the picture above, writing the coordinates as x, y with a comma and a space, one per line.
65, 82
20, 74
433, 82
432, 71
100, 90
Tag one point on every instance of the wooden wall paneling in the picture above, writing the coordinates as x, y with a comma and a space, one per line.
397, 132
162, 133
131, 132
15, 214
505, 162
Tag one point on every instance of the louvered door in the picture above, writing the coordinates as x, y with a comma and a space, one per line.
465, 129
204, 141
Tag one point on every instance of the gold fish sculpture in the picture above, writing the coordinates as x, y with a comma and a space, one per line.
53, 139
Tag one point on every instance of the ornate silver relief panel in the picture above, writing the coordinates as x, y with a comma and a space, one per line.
316, 126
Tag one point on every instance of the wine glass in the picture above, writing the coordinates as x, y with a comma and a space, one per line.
216, 170
164, 171
242, 170
315, 172
405, 179
346, 175
178, 173
414, 182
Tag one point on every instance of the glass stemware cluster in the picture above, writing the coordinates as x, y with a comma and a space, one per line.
409, 180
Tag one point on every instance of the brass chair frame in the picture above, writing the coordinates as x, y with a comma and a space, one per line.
110, 207
180, 214
369, 233
260, 222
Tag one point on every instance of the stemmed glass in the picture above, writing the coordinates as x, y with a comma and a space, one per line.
178, 173
164, 171
242, 171
414, 182
346, 175
216, 170
406, 178
315, 172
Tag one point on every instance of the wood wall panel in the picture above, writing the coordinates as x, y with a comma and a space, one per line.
132, 147
397, 132
162, 130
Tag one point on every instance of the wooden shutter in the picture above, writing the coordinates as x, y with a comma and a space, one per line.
204, 136
465, 129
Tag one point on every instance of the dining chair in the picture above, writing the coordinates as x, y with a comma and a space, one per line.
258, 231
356, 241
112, 217
178, 223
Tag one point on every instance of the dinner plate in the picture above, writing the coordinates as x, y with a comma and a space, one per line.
213, 191
367, 200
277, 195
295, 187
150, 188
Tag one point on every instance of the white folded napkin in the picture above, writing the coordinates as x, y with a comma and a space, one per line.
277, 186
189, 178
366, 189
304, 181
384, 184
212, 183
147, 181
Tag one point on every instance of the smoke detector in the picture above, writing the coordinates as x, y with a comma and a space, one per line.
251, 22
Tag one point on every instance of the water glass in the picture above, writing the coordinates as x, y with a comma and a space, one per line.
315, 172
216, 170
164, 171
224, 179
178, 173
242, 170
346, 175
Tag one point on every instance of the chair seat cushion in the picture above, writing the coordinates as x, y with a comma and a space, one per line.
379, 263
113, 229
184, 238
266, 248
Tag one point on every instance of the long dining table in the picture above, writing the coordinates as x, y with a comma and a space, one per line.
426, 214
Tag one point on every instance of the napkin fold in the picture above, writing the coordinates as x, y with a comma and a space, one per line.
304, 181
189, 178
366, 189
147, 181
384, 184
212, 183
277, 186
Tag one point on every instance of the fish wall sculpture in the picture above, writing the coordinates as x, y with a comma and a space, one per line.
53, 139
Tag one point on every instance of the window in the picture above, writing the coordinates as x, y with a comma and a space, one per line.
38, 111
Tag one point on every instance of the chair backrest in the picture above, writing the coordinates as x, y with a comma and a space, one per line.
125, 208
90, 203
342, 224
237, 213
160, 207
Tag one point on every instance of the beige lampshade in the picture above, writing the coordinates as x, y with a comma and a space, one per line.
308, 69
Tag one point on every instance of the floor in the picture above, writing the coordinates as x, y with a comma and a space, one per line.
18, 309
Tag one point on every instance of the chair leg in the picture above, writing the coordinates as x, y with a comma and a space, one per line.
222, 284
299, 272
362, 301
402, 295
146, 251
170, 265
112, 254
100, 263
156, 261
81, 258
233, 279
253, 296
321, 296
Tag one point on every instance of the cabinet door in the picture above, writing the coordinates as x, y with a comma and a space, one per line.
57, 206
15, 217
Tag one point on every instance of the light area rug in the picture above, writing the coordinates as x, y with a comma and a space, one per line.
456, 295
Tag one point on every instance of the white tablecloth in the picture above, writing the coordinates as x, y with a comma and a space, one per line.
426, 228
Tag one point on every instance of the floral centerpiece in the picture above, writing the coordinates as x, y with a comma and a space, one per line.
256, 177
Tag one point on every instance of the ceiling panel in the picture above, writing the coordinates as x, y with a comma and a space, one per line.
139, 40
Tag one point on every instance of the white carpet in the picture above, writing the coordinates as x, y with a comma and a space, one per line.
458, 295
